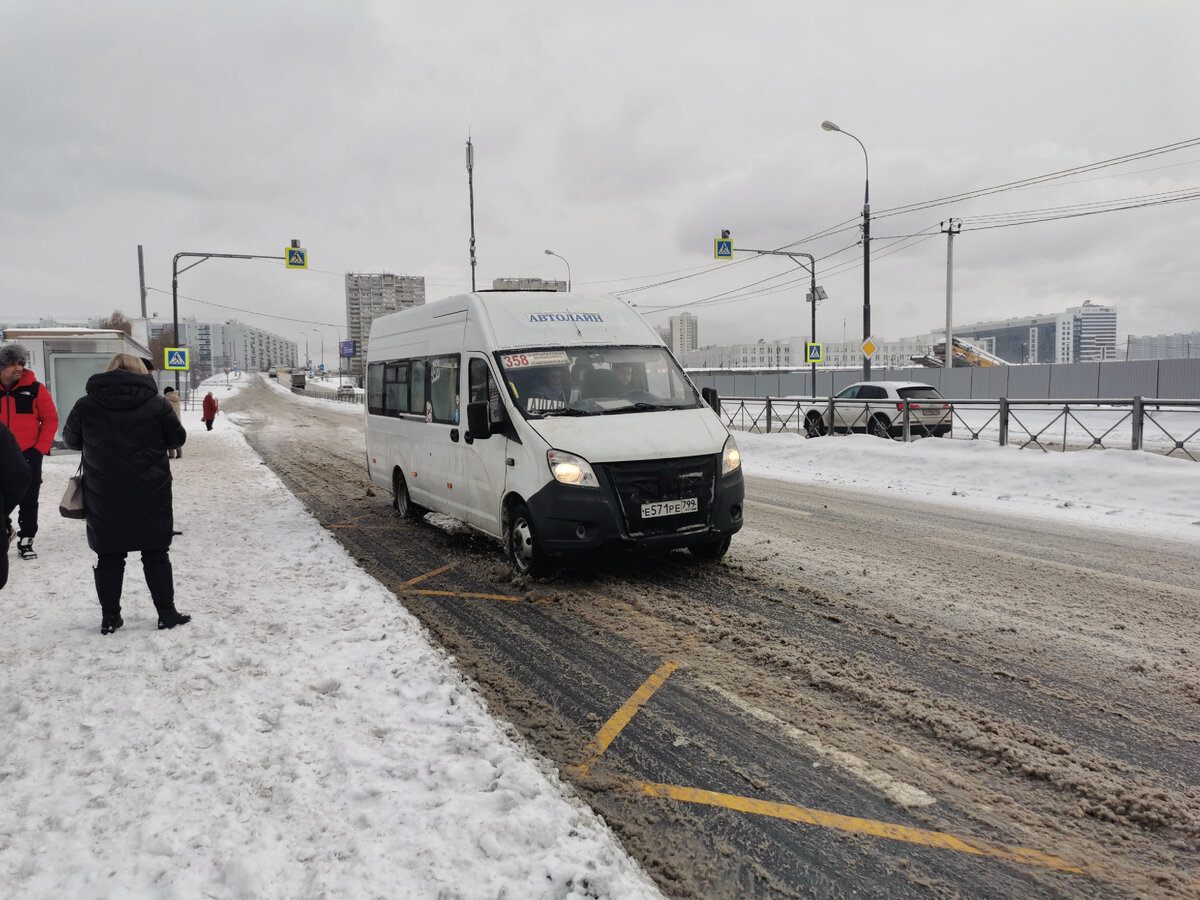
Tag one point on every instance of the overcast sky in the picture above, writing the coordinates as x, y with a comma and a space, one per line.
621, 135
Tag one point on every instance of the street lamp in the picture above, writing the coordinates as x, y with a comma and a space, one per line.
320, 334
564, 259
815, 293
203, 257
866, 213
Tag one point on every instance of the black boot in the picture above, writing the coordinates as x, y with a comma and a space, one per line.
162, 590
108, 589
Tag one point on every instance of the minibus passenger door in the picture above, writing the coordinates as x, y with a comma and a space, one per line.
485, 450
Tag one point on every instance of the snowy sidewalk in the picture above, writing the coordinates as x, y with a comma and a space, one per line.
299, 738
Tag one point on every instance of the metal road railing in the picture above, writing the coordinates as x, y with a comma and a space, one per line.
1167, 427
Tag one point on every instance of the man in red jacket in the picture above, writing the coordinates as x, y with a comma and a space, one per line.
27, 408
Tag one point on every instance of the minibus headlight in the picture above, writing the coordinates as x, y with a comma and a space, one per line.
731, 459
571, 469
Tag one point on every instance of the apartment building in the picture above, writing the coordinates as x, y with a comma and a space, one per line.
369, 296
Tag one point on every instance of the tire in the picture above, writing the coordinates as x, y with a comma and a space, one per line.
521, 544
880, 427
814, 426
711, 550
402, 502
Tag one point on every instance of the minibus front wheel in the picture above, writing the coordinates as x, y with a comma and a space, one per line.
711, 549
521, 541
401, 499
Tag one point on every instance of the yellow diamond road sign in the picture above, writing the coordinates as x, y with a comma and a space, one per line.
869, 348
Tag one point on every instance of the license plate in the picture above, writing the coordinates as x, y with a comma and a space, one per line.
670, 508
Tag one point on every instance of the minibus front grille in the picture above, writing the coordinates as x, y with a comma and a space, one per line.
660, 480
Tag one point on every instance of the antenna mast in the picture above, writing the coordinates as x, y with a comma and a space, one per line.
471, 194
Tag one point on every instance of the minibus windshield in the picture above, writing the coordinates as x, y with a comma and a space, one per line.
582, 381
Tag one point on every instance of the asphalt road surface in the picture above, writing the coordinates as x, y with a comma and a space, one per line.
868, 697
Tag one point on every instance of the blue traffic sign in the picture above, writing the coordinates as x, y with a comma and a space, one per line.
175, 358
815, 353
723, 248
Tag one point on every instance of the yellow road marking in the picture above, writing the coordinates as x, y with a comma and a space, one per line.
804, 815
887, 830
349, 523
617, 722
427, 593
622, 716
420, 578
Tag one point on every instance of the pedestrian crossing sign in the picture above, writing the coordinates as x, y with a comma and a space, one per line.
297, 258
723, 248
175, 359
814, 353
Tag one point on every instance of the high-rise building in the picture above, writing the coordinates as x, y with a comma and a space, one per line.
1085, 333
685, 334
219, 347
369, 296
1094, 332
1182, 345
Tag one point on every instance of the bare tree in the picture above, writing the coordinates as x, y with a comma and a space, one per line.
118, 321
166, 338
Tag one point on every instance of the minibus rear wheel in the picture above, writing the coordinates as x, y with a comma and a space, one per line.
521, 542
402, 501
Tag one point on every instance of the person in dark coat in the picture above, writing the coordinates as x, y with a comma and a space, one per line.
124, 427
210, 410
14, 482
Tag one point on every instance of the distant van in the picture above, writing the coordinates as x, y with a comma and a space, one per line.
556, 422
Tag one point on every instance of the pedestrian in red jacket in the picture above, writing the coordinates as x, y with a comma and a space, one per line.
210, 410
14, 482
28, 410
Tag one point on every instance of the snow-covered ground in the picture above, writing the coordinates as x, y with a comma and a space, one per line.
300, 737
1133, 490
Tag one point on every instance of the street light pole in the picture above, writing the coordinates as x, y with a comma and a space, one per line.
866, 213
201, 257
815, 293
321, 335
564, 259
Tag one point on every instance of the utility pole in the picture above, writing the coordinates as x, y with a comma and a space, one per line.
950, 228
142, 284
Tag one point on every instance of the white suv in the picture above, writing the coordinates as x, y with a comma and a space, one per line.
877, 407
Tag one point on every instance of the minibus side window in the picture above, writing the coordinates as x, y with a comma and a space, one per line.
396, 388
416, 386
483, 388
443, 388
375, 389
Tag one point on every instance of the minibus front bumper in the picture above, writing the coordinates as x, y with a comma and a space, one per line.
569, 519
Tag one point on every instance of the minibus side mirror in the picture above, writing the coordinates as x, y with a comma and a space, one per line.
712, 399
477, 420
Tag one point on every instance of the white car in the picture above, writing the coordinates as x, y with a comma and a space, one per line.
877, 407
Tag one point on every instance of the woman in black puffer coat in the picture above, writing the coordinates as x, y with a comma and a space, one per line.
124, 428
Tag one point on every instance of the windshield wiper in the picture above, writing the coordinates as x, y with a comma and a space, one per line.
568, 411
640, 406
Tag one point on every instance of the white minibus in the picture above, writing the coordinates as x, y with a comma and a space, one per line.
556, 422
